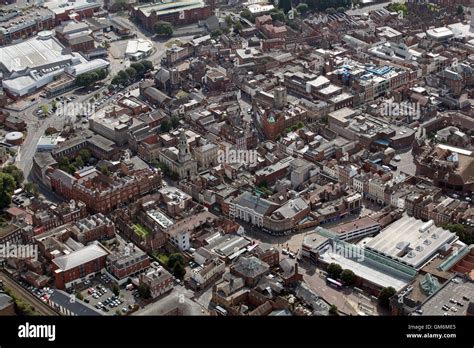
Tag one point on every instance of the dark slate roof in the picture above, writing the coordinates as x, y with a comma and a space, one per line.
250, 266
78, 307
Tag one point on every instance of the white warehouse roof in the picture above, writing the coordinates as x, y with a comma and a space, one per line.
89, 66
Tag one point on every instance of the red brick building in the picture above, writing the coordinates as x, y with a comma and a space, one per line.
82, 44
176, 13
101, 193
157, 279
73, 268
95, 227
128, 261
26, 23
274, 122
78, 12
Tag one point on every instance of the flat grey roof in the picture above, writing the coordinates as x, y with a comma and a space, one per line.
33, 53
404, 240
365, 269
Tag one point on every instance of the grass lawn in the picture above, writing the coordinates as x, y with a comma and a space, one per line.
162, 258
141, 230
176, 42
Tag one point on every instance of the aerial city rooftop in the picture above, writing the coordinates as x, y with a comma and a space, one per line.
199, 157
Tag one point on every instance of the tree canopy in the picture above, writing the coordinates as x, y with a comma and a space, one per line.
384, 296
7, 187
464, 235
247, 15
322, 5
334, 270
302, 8
163, 28
285, 5
16, 173
90, 78
348, 277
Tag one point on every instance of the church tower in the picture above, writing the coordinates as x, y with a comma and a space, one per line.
184, 153
279, 97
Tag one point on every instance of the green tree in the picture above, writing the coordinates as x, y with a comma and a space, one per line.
144, 291
384, 296
7, 187
115, 289
163, 29
132, 73
79, 296
278, 15
228, 21
104, 170
175, 258
460, 10
237, 27
302, 8
63, 161
164, 168
334, 270
147, 65
165, 126
85, 155
174, 122
330, 10
78, 162
247, 15
464, 235
31, 188
348, 277
216, 34
139, 68
123, 76
285, 5
45, 109
333, 310
16, 173
341, 9
87, 79
178, 270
